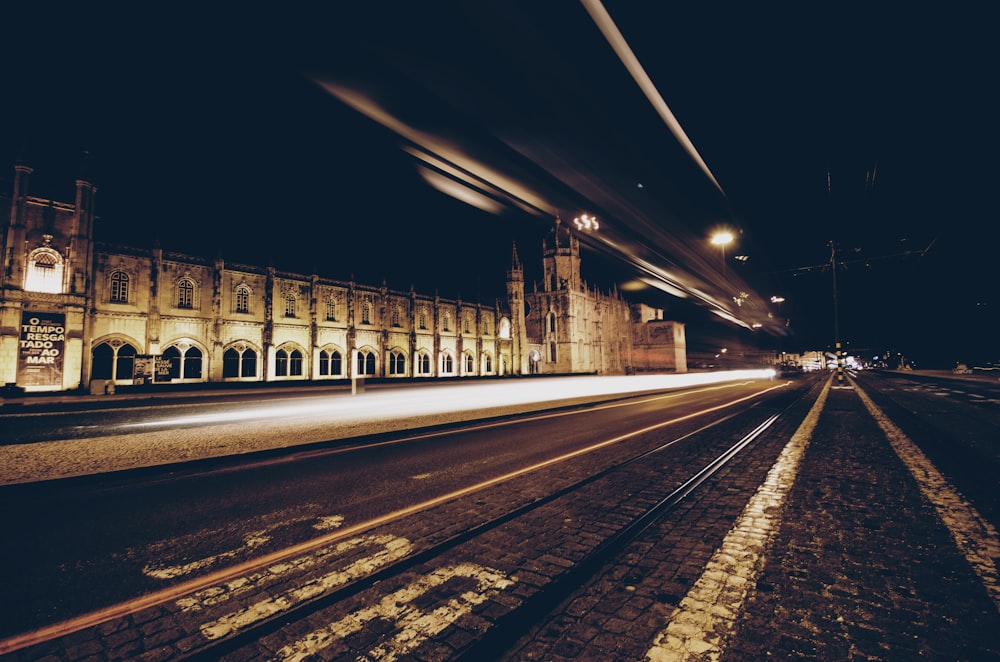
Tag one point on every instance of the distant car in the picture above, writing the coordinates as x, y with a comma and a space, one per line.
961, 369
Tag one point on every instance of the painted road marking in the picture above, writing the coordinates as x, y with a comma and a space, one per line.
251, 541
977, 539
413, 625
705, 620
393, 548
255, 539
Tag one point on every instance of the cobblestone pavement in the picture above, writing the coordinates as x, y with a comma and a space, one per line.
861, 567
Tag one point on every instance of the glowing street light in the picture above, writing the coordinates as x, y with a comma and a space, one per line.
721, 239
585, 222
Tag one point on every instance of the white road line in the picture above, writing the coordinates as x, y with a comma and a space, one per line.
977, 539
393, 548
413, 626
251, 541
705, 620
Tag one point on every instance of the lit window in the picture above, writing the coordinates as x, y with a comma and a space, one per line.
45, 271
504, 327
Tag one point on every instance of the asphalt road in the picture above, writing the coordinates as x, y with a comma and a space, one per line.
77, 545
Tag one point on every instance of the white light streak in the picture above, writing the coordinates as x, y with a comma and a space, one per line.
444, 398
631, 62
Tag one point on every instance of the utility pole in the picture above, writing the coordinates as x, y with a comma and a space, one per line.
836, 318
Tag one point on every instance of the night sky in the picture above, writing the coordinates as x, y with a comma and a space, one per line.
868, 131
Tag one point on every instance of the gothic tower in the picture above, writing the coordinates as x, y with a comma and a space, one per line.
515, 299
561, 260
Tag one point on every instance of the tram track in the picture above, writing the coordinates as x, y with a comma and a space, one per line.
747, 425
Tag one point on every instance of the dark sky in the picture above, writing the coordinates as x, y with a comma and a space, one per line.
871, 131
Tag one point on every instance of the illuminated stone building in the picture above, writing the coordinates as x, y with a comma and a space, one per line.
569, 326
76, 313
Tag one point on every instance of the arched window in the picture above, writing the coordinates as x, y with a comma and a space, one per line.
466, 324
397, 363
366, 363
185, 362
504, 327
288, 363
240, 363
447, 363
446, 322
422, 319
552, 322
45, 271
242, 299
423, 363
487, 363
185, 293
470, 363
331, 309
295, 363
397, 316
366, 312
290, 303
486, 326
119, 287
113, 359
330, 363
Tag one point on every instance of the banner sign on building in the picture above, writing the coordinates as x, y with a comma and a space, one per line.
151, 368
40, 350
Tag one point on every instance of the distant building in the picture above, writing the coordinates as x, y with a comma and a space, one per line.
75, 313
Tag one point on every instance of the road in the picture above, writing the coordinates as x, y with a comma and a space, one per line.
244, 556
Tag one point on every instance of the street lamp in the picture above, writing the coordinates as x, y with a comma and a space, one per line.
585, 222
721, 239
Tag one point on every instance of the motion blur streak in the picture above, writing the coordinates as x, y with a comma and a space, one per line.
460, 397
631, 62
441, 150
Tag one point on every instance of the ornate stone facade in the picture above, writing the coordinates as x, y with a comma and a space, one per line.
75, 312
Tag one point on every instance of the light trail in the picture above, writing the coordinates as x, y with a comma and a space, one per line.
453, 397
617, 41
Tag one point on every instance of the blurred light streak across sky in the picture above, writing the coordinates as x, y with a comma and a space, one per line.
631, 62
